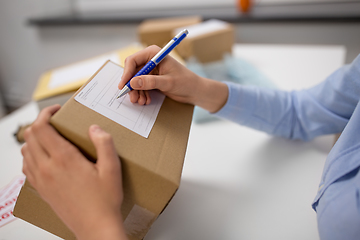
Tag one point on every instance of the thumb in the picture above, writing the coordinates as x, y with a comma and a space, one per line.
149, 82
107, 158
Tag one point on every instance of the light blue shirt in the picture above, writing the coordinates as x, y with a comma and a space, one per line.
330, 107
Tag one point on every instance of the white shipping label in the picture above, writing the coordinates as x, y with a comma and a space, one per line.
100, 94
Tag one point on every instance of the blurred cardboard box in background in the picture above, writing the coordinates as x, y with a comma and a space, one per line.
160, 31
207, 41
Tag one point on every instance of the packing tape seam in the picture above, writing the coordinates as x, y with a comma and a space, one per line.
138, 221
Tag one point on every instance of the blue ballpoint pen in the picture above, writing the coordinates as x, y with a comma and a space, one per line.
156, 60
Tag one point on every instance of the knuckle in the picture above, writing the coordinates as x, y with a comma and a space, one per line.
152, 82
24, 170
36, 127
170, 84
27, 133
126, 60
44, 116
47, 110
133, 96
44, 171
24, 149
65, 151
154, 48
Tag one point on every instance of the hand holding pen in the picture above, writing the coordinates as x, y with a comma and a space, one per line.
155, 60
174, 80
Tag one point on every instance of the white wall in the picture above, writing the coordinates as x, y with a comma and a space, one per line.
18, 51
27, 51
96, 6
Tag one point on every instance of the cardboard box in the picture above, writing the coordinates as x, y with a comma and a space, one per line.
160, 31
207, 41
151, 175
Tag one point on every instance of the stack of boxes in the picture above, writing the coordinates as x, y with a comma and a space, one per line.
207, 41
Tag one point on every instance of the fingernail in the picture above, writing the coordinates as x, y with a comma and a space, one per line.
140, 82
95, 128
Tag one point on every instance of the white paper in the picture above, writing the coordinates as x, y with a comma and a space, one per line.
208, 26
100, 94
81, 70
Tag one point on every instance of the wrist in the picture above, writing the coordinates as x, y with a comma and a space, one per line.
211, 95
106, 228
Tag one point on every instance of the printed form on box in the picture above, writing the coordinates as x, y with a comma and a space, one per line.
100, 94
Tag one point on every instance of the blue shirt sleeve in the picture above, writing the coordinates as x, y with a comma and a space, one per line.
304, 114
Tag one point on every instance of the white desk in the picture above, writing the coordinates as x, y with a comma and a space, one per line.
237, 183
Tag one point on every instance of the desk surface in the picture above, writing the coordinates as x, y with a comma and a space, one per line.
237, 183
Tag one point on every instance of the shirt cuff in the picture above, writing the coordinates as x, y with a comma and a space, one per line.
239, 105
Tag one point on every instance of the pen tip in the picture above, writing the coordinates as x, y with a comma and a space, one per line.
123, 91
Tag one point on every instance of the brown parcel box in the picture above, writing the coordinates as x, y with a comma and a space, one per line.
160, 31
151, 167
208, 47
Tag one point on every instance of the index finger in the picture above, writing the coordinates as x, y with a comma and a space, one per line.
46, 135
134, 62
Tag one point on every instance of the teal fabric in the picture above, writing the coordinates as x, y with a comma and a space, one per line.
230, 69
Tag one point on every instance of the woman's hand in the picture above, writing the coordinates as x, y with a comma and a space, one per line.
170, 77
174, 80
86, 196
